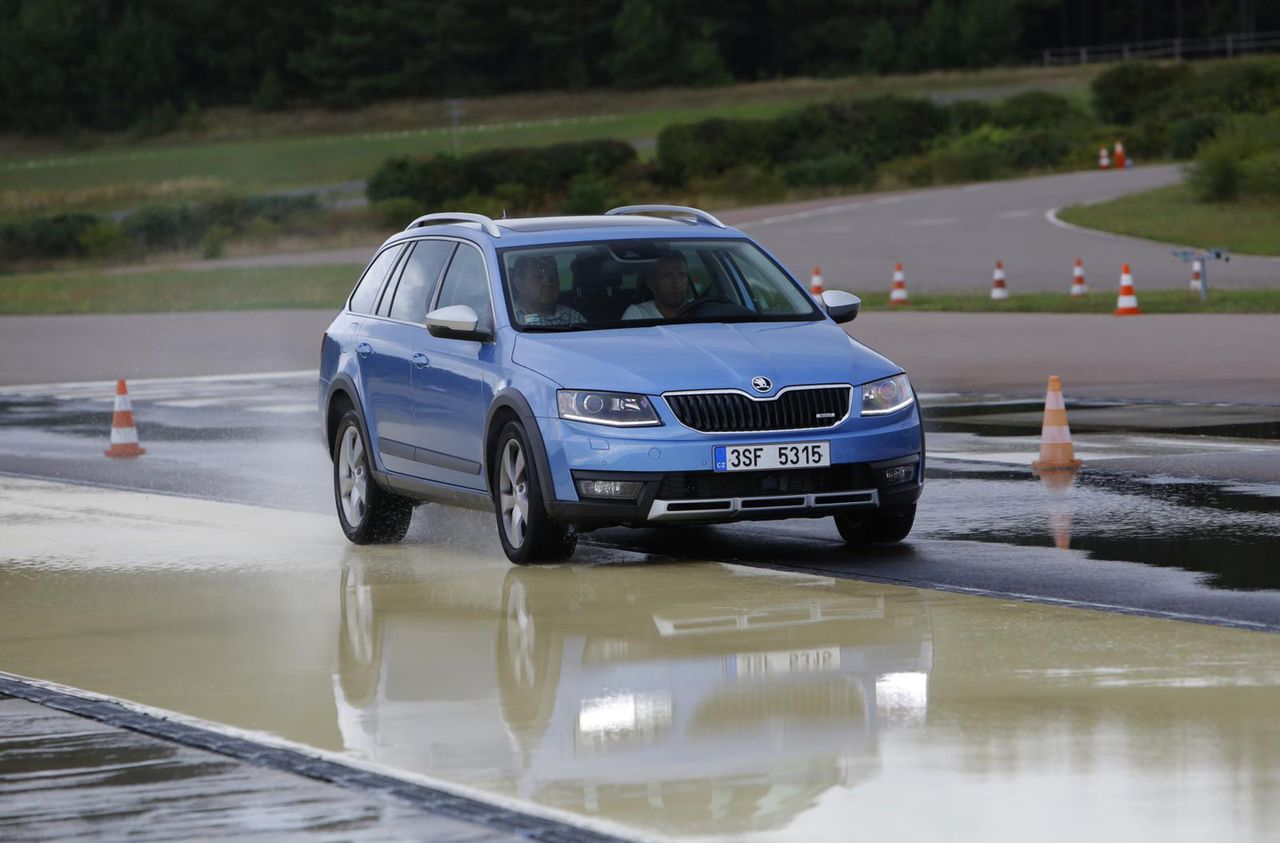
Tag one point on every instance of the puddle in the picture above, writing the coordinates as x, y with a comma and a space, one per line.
1228, 532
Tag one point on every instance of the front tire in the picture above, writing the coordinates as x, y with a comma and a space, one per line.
529, 536
368, 513
884, 526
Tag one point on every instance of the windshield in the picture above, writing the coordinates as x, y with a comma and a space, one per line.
634, 283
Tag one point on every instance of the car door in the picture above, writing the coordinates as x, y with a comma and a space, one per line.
384, 380
449, 389
400, 326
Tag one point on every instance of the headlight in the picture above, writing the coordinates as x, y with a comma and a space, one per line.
617, 409
886, 396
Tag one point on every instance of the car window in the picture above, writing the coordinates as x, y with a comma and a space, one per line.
466, 283
366, 292
418, 279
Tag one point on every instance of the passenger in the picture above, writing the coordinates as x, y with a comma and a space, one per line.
669, 283
535, 283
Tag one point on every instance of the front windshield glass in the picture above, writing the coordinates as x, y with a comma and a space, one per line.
634, 283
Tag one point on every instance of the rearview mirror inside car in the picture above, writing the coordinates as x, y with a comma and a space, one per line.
842, 306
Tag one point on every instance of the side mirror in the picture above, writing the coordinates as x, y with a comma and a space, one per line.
457, 321
842, 306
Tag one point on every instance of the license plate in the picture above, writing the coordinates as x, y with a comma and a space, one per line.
772, 456
789, 661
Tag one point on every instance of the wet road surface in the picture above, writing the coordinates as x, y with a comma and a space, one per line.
674, 699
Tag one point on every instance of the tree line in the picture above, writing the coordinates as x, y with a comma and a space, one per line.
115, 64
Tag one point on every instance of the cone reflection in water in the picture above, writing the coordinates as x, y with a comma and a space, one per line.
1056, 451
1057, 485
124, 436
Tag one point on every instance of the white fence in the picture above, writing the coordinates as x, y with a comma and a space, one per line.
1226, 46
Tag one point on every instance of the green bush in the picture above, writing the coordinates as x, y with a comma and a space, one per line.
164, 227
45, 237
1034, 110
843, 169
1239, 161
1186, 134
588, 194
1146, 139
397, 212
214, 243
977, 156
710, 147
1240, 86
104, 239
748, 183
967, 115
1126, 92
1260, 177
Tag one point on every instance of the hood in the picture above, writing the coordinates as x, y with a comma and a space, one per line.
661, 358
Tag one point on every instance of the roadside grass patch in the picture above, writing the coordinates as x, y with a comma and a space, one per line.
1173, 215
1151, 301
178, 290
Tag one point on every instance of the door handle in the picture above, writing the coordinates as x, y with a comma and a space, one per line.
420, 360
364, 349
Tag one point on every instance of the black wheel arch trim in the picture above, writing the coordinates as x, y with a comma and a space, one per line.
343, 383
513, 400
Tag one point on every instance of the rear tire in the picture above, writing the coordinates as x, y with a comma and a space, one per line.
884, 526
368, 513
528, 534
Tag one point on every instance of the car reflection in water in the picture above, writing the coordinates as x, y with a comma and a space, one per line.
682, 699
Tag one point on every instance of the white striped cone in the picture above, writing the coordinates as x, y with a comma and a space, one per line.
999, 292
1197, 284
124, 436
815, 282
1127, 301
898, 295
1055, 434
1078, 287
1104, 159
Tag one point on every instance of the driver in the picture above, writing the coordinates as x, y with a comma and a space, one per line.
535, 281
669, 283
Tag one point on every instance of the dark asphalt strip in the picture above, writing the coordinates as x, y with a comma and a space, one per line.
425, 798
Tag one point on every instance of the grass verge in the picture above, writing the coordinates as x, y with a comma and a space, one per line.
327, 286
1172, 215
174, 290
1151, 301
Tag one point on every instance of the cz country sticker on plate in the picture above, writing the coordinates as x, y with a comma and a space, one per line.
772, 456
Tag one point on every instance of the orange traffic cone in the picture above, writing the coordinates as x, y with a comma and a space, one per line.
1127, 302
1119, 156
898, 295
999, 292
124, 436
1055, 435
1078, 287
1104, 160
815, 283
1197, 284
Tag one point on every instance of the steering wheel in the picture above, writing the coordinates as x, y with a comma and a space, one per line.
691, 307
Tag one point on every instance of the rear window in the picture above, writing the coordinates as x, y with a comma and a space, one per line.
366, 293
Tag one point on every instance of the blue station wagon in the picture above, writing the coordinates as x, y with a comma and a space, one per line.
648, 366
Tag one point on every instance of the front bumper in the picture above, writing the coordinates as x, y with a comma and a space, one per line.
710, 497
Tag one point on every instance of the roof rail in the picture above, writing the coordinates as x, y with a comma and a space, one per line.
678, 211
490, 227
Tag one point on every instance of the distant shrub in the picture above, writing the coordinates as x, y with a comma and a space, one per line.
748, 183
1241, 160
45, 237
104, 239
164, 227
1146, 139
1186, 134
977, 156
843, 169
710, 147
967, 115
397, 212
588, 194
523, 175
214, 242
1128, 91
1240, 86
1034, 110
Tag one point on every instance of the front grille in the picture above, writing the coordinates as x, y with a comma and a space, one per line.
684, 485
734, 412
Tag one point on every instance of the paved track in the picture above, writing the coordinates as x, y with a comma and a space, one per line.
949, 238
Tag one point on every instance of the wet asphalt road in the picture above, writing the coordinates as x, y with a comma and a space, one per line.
637, 696
1116, 539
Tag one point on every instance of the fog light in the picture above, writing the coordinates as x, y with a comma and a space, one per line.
898, 474
609, 488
